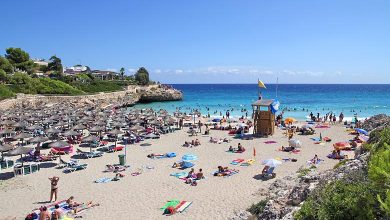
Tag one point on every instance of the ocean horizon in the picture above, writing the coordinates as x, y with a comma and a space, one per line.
297, 100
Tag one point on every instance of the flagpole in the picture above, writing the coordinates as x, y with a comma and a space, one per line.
258, 89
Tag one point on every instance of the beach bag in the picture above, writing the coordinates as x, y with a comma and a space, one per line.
169, 210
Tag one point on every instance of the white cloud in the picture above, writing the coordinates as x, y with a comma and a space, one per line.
179, 71
112, 69
131, 70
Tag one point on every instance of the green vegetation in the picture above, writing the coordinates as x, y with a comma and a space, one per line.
363, 194
142, 76
339, 164
257, 208
18, 75
5, 92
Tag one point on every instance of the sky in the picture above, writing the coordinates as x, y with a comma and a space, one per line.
203, 41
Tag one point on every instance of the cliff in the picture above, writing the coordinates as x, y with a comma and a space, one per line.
128, 97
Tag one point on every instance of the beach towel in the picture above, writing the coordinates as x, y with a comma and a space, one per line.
237, 161
179, 175
103, 180
315, 139
248, 162
225, 174
270, 142
178, 206
63, 206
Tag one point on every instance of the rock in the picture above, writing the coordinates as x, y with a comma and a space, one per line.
241, 215
376, 122
298, 194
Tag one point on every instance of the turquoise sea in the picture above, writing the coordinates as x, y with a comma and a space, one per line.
298, 100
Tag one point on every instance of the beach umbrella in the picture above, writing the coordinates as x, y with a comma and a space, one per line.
6, 131
115, 132
7, 122
295, 143
289, 120
5, 147
34, 127
189, 157
101, 123
19, 151
20, 124
38, 139
59, 144
271, 162
136, 121
361, 131
22, 136
48, 121
96, 129
79, 127
71, 133
91, 138
137, 128
151, 136
52, 131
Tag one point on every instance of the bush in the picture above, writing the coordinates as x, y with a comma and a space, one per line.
339, 164
96, 86
5, 92
257, 208
339, 200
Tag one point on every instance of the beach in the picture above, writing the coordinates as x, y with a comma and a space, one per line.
142, 196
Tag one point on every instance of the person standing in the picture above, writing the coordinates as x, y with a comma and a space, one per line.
54, 188
200, 126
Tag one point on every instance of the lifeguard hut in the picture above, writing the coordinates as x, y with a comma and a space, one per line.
263, 117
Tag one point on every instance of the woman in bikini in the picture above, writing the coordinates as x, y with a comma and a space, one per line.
54, 188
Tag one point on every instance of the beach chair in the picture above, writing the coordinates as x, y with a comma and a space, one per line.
88, 155
269, 173
69, 163
75, 168
112, 148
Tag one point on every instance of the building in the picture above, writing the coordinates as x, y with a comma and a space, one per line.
41, 62
104, 74
76, 69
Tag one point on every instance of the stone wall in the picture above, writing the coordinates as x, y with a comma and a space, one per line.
130, 96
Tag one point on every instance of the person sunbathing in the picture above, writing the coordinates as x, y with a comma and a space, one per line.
197, 142
288, 149
72, 203
84, 206
44, 214
315, 159
57, 214
199, 175
191, 173
231, 149
177, 165
240, 148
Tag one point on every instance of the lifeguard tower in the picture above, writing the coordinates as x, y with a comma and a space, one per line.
263, 117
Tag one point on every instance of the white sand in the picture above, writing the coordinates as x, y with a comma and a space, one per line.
140, 197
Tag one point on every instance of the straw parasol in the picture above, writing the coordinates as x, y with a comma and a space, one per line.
79, 127
38, 139
19, 151
71, 133
34, 127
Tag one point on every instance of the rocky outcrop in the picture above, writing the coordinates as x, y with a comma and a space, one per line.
287, 194
377, 122
158, 94
128, 97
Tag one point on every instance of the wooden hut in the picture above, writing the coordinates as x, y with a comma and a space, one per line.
263, 118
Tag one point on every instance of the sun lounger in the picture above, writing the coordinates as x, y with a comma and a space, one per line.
112, 149
75, 168
69, 163
87, 155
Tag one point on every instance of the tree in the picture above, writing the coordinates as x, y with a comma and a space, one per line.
20, 59
6, 65
142, 76
122, 72
3, 76
55, 65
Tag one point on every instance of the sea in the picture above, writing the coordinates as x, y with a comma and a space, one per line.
296, 100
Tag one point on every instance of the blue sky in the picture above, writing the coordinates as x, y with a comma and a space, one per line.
220, 41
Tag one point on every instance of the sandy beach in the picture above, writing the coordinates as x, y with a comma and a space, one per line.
142, 196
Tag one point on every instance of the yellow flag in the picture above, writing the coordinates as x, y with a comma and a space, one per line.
261, 85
